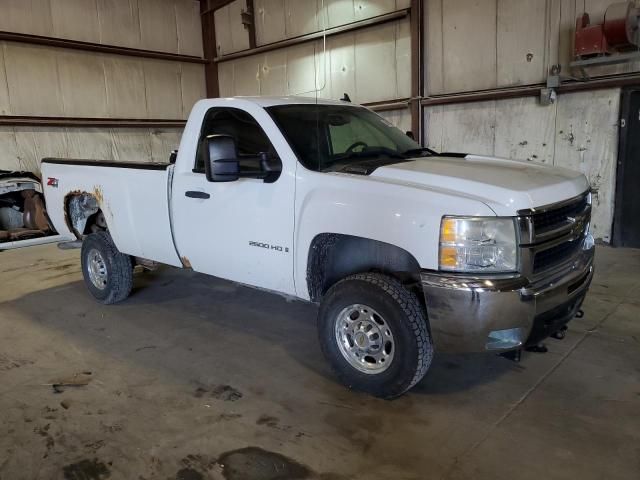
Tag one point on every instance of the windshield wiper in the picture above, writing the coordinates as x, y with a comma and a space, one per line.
417, 151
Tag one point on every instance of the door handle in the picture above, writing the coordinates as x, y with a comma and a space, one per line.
195, 194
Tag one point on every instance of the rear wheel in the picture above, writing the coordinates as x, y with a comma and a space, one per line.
107, 272
373, 331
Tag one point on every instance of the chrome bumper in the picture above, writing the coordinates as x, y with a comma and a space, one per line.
473, 314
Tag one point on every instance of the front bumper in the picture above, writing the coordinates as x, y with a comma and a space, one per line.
474, 314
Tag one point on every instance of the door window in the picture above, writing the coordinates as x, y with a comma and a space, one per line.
251, 140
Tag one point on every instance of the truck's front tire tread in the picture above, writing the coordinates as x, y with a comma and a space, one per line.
119, 268
413, 319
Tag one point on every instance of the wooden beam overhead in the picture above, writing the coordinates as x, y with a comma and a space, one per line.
96, 47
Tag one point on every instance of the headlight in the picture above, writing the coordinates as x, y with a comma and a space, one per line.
478, 244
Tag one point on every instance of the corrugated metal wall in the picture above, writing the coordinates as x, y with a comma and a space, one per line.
381, 52
49, 81
484, 44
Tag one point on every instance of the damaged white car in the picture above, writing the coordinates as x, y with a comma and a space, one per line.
23, 217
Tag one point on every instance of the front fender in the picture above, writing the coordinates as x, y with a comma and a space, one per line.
405, 216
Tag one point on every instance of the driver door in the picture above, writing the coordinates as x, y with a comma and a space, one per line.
240, 230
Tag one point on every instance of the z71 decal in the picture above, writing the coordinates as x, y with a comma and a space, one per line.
277, 248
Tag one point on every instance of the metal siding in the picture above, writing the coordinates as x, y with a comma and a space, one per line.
273, 73
125, 87
399, 118
75, 19
521, 42
163, 89
270, 24
189, 27
82, 84
301, 17
515, 138
158, 29
27, 16
375, 58
119, 22
469, 44
342, 63
192, 83
587, 141
32, 78
5, 105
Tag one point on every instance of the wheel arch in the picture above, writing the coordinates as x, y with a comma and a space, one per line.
83, 214
334, 256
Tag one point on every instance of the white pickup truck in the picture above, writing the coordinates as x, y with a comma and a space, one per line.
407, 252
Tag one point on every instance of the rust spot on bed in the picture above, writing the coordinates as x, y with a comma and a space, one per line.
185, 262
97, 192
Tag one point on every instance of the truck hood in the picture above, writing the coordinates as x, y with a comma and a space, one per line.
506, 186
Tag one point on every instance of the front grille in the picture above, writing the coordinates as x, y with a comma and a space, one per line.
552, 219
555, 255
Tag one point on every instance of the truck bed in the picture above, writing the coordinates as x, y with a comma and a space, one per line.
133, 196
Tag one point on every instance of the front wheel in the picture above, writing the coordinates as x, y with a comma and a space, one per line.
108, 273
373, 331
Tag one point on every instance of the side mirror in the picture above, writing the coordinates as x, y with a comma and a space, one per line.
411, 135
173, 157
221, 159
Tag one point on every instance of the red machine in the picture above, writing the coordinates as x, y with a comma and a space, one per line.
619, 32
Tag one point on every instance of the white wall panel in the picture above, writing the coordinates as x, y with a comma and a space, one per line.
270, 24
273, 73
231, 34
342, 63
131, 144
163, 142
193, 86
399, 118
521, 42
189, 27
163, 89
76, 19
580, 132
301, 17
27, 16
403, 59
380, 53
91, 143
125, 87
9, 158
587, 140
280, 19
372, 8
376, 59
469, 43
434, 53
158, 30
525, 130
119, 22
82, 84
337, 12
5, 106
32, 79
22, 148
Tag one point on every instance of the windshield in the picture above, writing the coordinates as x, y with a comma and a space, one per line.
336, 137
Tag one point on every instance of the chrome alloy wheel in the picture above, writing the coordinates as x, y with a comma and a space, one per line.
365, 339
97, 269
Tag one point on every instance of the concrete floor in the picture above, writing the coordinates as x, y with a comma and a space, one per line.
196, 378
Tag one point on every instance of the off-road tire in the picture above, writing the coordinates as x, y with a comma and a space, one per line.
402, 311
119, 269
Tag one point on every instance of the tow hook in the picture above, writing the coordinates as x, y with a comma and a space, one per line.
513, 355
560, 334
580, 313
